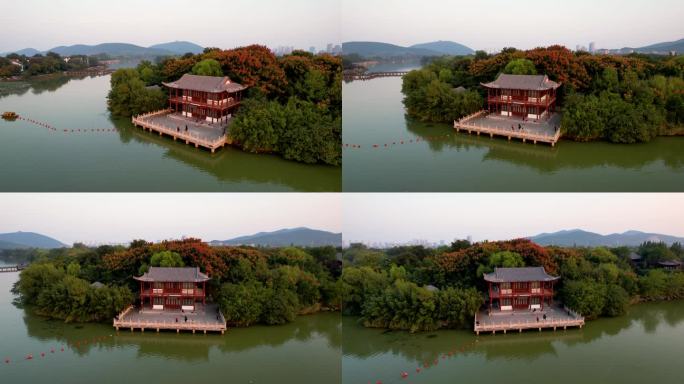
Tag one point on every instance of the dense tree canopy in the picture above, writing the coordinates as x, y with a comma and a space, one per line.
417, 288
294, 106
250, 285
621, 99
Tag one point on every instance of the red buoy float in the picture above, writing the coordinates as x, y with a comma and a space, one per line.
417, 369
404, 375
29, 356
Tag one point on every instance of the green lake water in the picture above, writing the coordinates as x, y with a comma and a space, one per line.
443, 161
645, 346
35, 159
305, 351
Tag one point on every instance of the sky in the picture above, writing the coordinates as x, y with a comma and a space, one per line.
493, 24
118, 218
44, 24
403, 217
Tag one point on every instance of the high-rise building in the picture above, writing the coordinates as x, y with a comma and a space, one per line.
592, 47
329, 48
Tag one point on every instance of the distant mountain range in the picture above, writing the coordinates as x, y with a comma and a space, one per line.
301, 236
384, 50
120, 49
581, 238
658, 48
18, 240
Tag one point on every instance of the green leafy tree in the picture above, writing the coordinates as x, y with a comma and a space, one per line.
166, 259
207, 67
520, 67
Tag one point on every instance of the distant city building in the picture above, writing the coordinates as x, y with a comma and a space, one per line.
337, 50
329, 48
312, 50
592, 47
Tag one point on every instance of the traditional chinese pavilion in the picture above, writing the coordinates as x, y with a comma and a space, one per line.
519, 288
209, 98
167, 288
526, 96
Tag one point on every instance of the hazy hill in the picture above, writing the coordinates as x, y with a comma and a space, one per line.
379, 49
179, 47
111, 49
582, 238
120, 49
28, 240
301, 236
446, 48
677, 46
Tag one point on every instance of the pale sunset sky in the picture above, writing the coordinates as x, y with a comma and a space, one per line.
493, 24
402, 217
105, 218
483, 24
42, 24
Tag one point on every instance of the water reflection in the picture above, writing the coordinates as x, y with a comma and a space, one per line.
82, 339
364, 343
566, 155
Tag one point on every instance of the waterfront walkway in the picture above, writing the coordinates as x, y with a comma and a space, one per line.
556, 317
200, 133
373, 75
206, 318
11, 268
544, 131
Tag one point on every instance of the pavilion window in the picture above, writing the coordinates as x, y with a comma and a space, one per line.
535, 287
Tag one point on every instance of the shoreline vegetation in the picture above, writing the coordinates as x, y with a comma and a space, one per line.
250, 285
293, 105
417, 289
620, 99
14, 67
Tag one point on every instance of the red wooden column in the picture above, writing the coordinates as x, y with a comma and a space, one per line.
489, 284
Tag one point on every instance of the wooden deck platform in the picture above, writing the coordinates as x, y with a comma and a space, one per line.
493, 324
211, 144
467, 124
124, 321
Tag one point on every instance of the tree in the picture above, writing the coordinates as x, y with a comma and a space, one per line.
166, 259
617, 301
520, 67
128, 95
207, 67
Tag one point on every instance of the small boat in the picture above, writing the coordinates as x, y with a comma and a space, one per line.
9, 115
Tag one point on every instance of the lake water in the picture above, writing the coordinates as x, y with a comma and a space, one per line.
645, 346
33, 158
435, 158
305, 351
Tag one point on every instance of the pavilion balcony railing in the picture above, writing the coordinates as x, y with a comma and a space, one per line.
534, 101
518, 292
206, 103
172, 291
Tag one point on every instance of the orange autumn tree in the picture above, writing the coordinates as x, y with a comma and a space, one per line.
252, 66
461, 266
